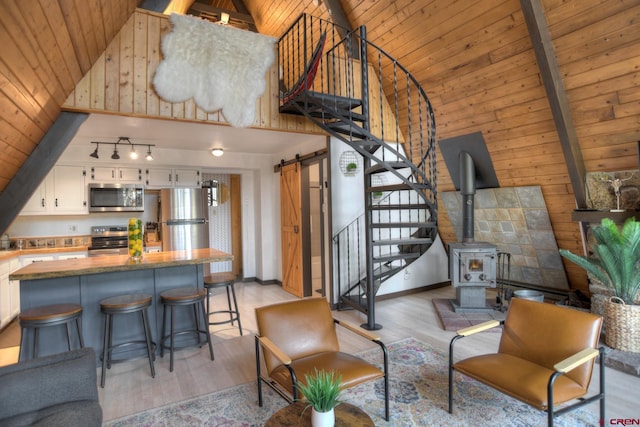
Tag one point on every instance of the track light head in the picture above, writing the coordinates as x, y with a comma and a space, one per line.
95, 153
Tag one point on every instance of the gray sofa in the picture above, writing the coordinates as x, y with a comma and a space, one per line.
56, 390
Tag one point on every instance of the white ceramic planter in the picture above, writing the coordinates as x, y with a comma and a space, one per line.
322, 419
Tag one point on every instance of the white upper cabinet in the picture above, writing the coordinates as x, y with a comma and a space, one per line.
167, 178
102, 174
63, 192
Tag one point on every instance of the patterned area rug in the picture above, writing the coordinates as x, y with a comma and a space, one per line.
452, 320
418, 381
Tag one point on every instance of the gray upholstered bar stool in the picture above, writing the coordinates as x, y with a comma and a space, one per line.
123, 304
186, 296
50, 315
223, 280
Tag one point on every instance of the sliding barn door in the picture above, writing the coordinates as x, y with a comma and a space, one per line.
290, 212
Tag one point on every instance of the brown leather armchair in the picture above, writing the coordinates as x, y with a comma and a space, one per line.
545, 357
299, 336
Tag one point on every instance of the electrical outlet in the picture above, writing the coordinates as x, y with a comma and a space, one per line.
406, 274
72, 228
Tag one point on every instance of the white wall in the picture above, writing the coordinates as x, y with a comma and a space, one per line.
347, 202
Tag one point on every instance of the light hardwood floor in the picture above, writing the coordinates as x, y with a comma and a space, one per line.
130, 388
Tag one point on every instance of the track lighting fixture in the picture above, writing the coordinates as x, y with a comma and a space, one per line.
217, 152
123, 140
95, 153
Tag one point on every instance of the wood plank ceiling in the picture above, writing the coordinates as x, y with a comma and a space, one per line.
474, 59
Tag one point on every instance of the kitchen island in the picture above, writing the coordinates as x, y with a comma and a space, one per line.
87, 281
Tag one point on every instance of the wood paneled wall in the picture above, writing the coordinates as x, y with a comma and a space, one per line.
120, 81
474, 59
476, 62
47, 46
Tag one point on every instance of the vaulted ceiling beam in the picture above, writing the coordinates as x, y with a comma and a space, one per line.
557, 96
34, 170
206, 11
242, 8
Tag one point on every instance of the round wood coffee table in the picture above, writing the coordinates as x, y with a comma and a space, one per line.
346, 415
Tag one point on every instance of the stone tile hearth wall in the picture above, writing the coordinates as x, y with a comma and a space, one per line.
516, 220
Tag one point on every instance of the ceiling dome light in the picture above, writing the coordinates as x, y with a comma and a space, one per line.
217, 152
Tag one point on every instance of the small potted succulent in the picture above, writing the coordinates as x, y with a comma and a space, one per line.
351, 167
321, 391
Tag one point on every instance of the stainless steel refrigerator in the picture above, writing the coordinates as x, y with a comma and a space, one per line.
184, 218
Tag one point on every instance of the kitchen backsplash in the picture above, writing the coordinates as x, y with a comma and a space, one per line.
50, 242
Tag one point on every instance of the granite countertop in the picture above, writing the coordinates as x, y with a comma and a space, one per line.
12, 253
113, 263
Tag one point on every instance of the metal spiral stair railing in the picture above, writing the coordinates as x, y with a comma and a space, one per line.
361, 95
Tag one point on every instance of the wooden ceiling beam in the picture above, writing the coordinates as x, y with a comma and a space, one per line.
35, 169
557, 96
242, 8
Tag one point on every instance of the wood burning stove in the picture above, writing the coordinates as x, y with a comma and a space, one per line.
472, 269
472, 265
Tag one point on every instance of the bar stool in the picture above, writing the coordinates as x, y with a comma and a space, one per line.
122, 304
187, 296
226, 280
50, 315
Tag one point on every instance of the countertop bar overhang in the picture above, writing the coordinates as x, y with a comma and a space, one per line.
87, 281
114, 263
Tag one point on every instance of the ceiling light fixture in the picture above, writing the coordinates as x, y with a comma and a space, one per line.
224, 18
123, 140
217, 152
95, 153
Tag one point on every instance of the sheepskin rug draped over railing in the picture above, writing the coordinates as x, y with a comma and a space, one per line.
220, 67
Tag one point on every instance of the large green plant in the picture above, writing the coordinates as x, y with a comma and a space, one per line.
321, 390
616, 260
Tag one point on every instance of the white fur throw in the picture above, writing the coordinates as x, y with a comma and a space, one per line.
220, 67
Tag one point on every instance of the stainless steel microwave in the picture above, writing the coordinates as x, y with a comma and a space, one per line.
116, 198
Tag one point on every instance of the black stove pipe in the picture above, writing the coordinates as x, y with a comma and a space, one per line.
467, 190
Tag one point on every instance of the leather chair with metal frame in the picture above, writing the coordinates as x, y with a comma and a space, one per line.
545, 357
297, 337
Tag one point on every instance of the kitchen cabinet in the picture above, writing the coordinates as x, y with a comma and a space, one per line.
72, 255
9, 292
172, 177
63, 192
112, 174
28, 259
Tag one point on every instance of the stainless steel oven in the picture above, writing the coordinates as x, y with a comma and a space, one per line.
108, 240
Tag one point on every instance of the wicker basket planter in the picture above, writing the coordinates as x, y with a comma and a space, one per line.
622, 325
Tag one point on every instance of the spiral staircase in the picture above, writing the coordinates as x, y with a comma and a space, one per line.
362, 96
